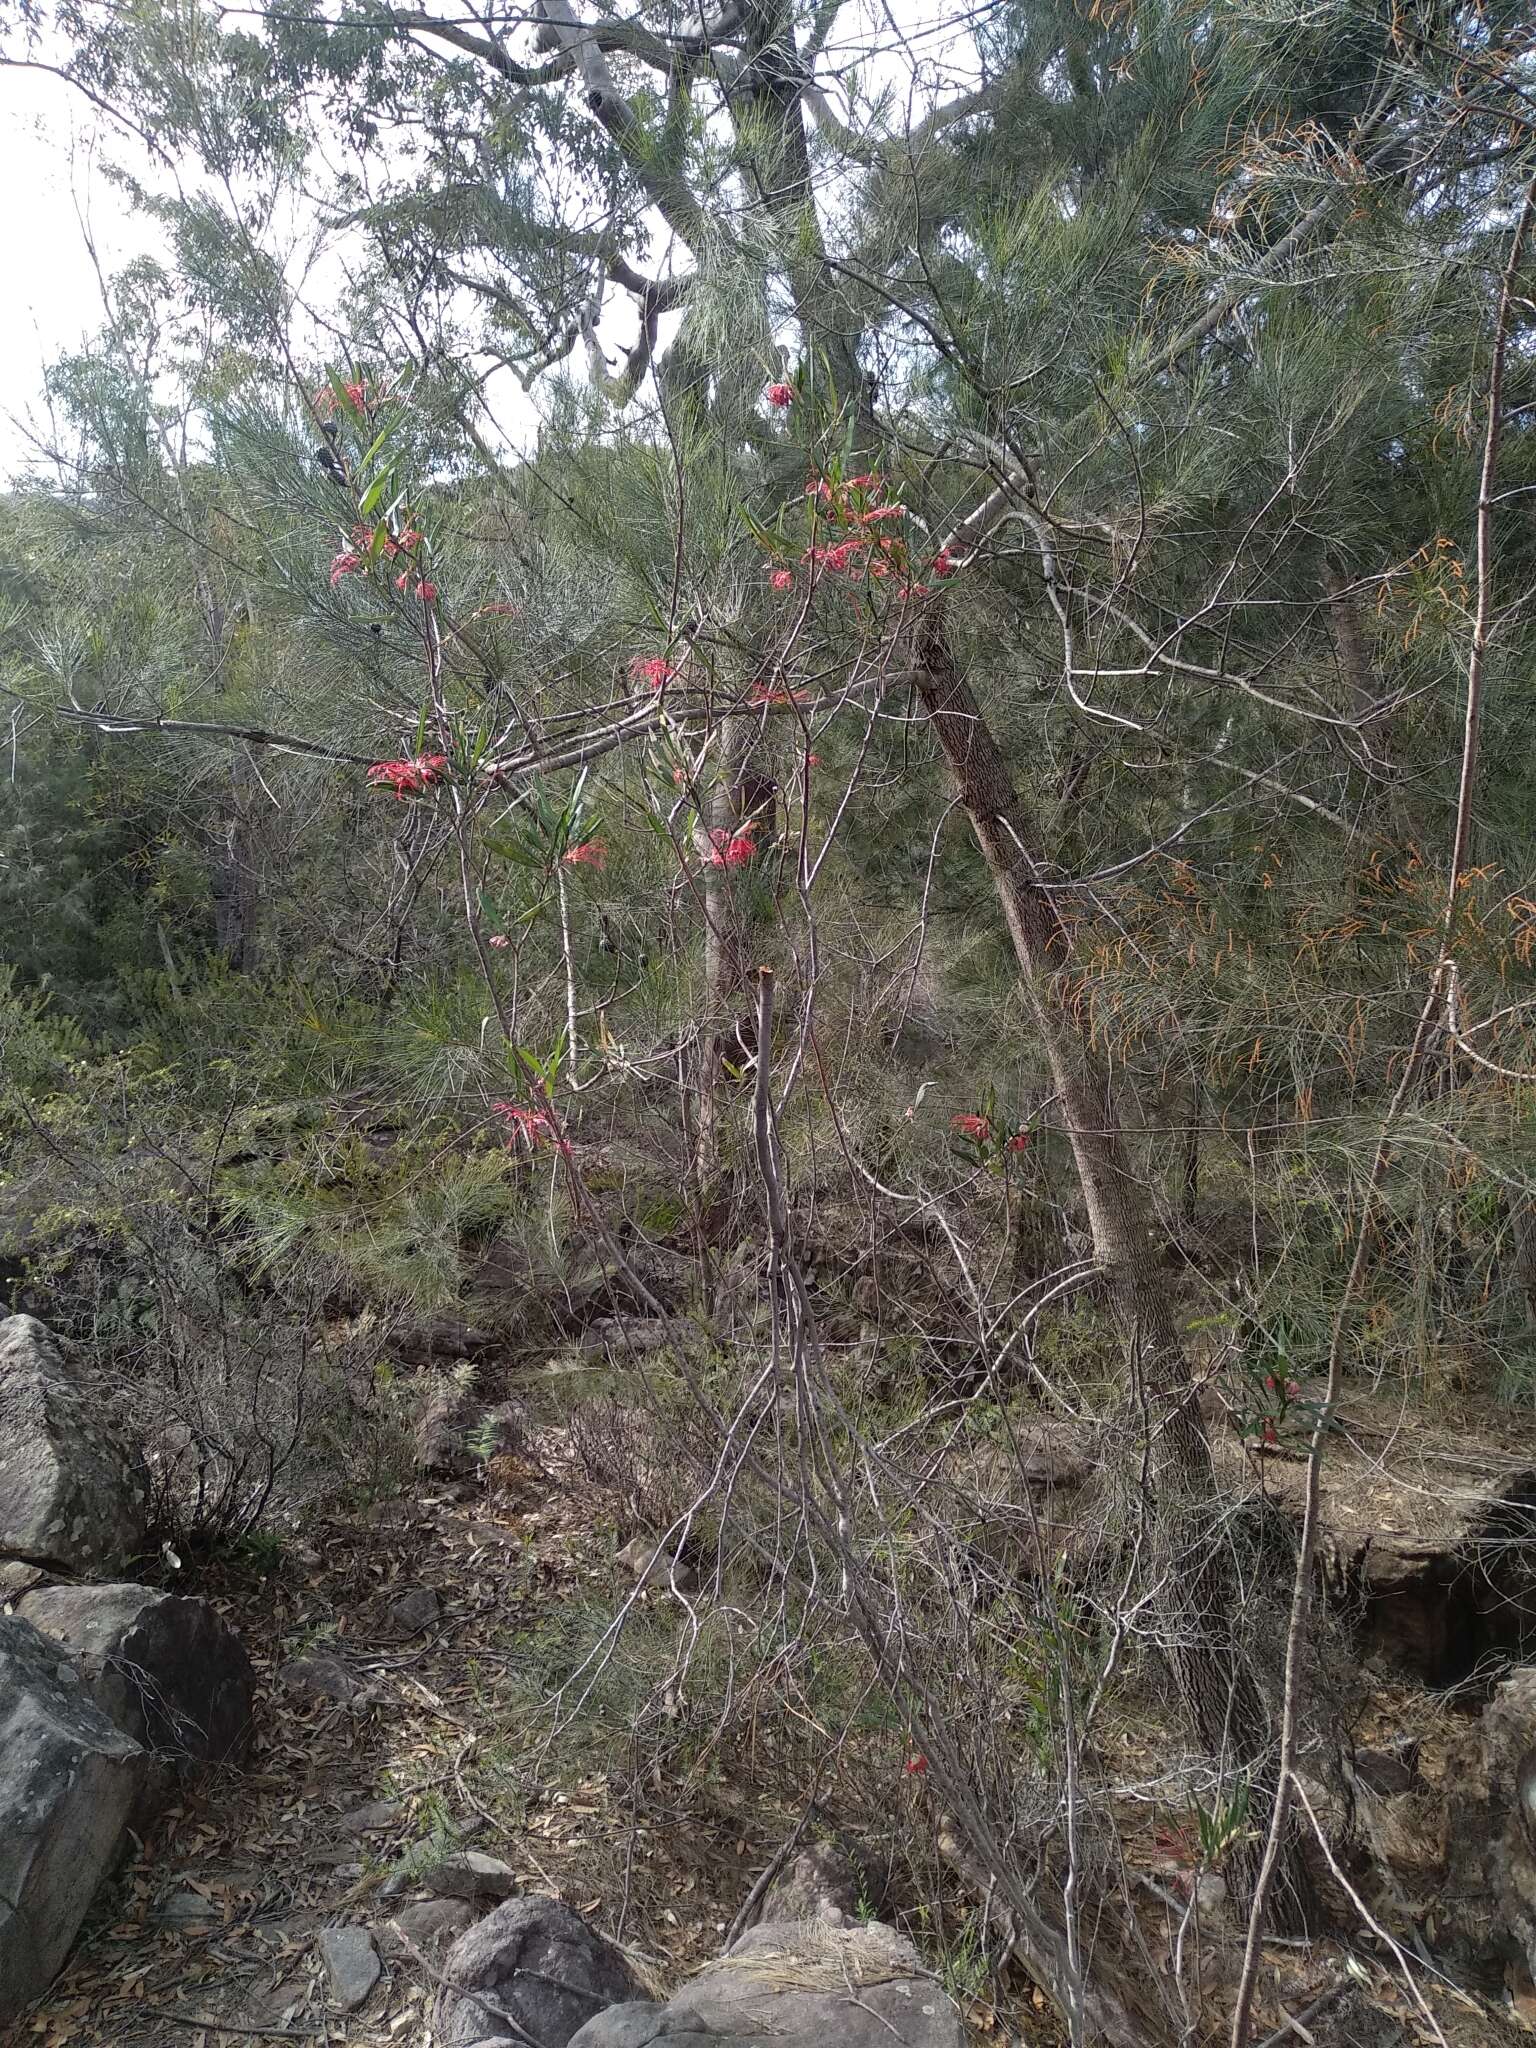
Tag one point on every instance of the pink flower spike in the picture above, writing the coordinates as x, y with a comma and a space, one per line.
500, 941
654, 673
427, 592
782, 579
976, 1128
590, 854
345, 564
408, 778
781, 394
1019, 1142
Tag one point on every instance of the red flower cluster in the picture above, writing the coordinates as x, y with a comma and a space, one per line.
766, 693
976, 1128
500, 941
533, 1124
728, 849
781, 395
860, 507
409, 778
325, 398
655, 673
389, 545
782, 579
590, 854
915, 1766
1019, 1142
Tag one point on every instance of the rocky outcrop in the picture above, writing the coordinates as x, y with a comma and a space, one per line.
533, 1968
168, 1671
73, 1497
1428, 1539
456, 1431
69, 1778
792, 1983
1494, 1821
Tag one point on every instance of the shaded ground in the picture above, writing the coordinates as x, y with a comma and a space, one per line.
213, 1925
210, 1935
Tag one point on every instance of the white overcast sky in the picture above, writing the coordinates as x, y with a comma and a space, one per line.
52, 142
48, 135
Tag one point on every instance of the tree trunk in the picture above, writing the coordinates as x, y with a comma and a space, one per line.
1201, 1596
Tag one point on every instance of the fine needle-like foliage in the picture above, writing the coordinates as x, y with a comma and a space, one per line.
871, 714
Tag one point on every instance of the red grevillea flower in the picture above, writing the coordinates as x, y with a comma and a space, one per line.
915, 1766
409, 778
347, 563
590, 854
500, 941
768, 693
500, 611
427, 592
325, 398
1019, 1142
976, 1128
782, 579
882, 512
654, 673
944, 563
781, 394
728, 849
533, 1124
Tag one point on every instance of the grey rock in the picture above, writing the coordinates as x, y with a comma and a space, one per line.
649, 1564
636, 1336
796, 1982
636, 2024
68, 1781
1391, 1771
432, 1925
415, 1611
351, 1965
169, 1671
73, 1496
326, 1676
818, 1884
186, 1909
376, 1818
469, 1874
456, 1430
538, 1961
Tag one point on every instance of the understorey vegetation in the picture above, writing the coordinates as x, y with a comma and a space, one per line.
821, 804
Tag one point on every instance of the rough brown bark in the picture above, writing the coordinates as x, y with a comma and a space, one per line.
1200, 1599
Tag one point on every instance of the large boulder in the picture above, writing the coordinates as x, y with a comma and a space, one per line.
170, 1672
73, 1497
532, 1968
1494, 1818
68, 1781
796, 1984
